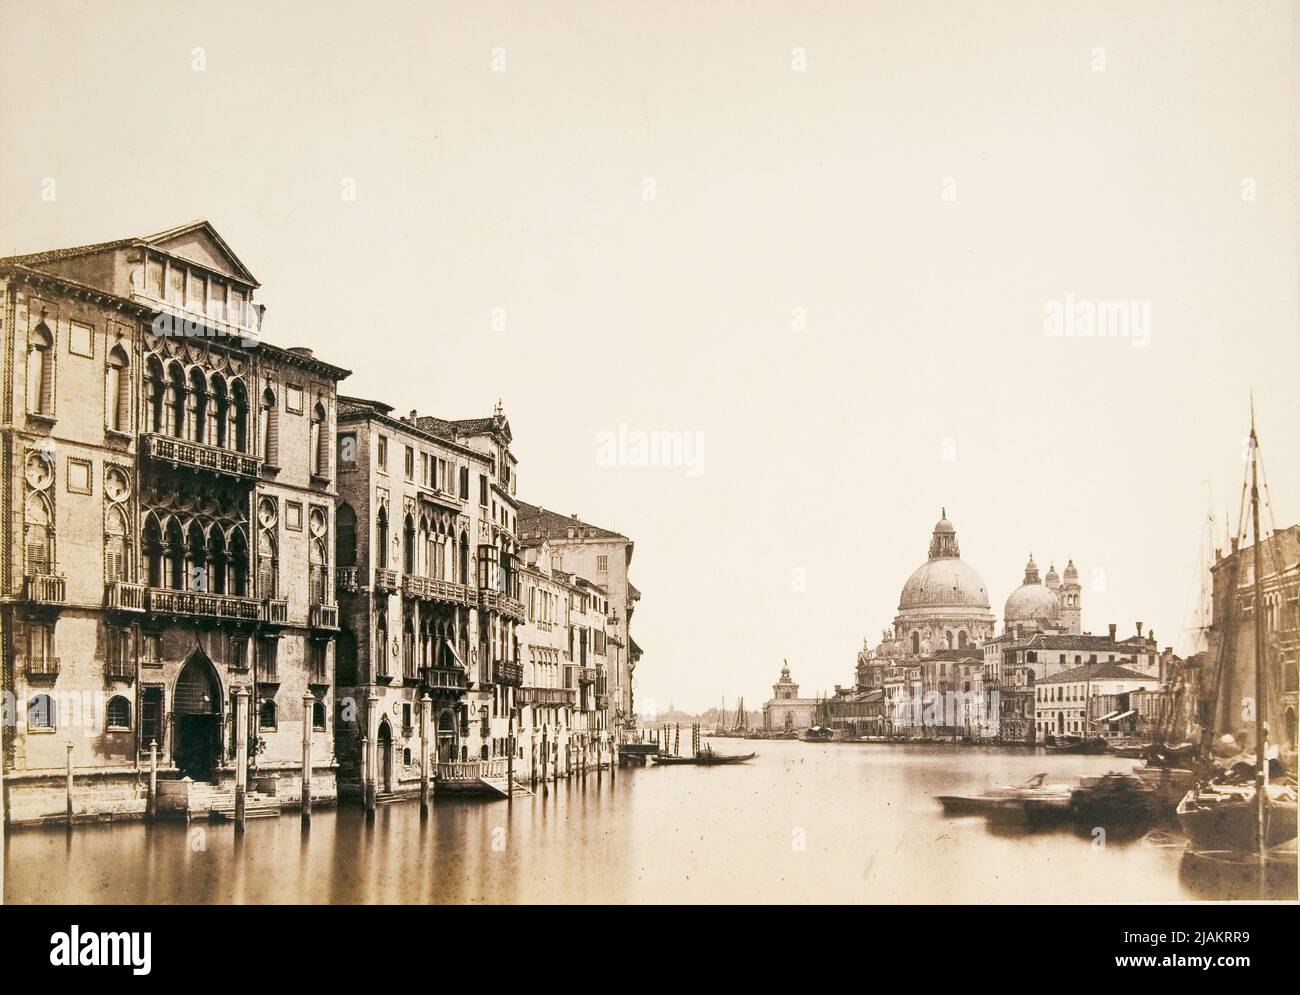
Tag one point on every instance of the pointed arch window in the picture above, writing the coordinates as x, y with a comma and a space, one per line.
381, 538
237, 418
266, 564
175, 547
408, 544
320, 442
116, 563
40, 370
155, 389
319, 576
270, 429
176, 401
153, 552
38, 536
381, 642
237, 565
117, 390
196, 408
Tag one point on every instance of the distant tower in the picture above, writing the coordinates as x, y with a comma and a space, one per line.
1071, 595
785, 688
1052, 581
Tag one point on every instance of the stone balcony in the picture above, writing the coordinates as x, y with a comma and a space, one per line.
277, 611
385, 581
439, 591
197, 456
444, 679
50, 590
195, 604
587, 675
502, 604
324, 616
548, 696
119, 595
507, 673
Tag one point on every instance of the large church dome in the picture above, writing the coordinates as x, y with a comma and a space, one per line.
1032, 602
944, 581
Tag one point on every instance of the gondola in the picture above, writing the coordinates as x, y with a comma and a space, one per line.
705, 758
1092, 745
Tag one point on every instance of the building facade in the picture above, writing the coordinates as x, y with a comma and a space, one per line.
168, 514
604, 558
786, 711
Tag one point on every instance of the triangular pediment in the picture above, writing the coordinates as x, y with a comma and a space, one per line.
199, 243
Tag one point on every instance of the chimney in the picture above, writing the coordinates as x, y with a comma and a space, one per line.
574, 516
1113, 628
1139, 625
411, 419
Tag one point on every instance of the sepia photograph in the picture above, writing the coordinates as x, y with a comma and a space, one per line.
574, 453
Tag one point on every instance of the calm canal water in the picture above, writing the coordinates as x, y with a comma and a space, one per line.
801, 823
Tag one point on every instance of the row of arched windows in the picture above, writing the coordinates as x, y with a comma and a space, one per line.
196, 406
430, 549
201, 555
43, 713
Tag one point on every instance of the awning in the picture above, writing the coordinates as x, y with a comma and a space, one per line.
1124, 715
454, 655
1108, 717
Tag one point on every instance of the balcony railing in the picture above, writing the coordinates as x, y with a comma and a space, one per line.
348, 579
43, 669
587, 675
429, 589
502, 604
45, 589
548, 696
193, 603
121, 596
508, 673
277, 610
443, 678
324, 616
471, 770
197, 456
385, 580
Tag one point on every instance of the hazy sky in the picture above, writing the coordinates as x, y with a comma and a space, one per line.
921, 375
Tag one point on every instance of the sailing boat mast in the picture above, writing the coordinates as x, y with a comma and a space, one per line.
1260, 760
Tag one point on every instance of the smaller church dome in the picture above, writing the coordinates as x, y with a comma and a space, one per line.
1071, 572
1032, 603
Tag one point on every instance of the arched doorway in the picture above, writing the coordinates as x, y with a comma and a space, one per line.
196, 704
385, 757
446, 736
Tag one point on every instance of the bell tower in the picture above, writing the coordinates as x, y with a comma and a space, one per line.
1070, 595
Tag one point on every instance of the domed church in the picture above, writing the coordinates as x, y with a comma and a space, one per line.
944, 604
1051, 606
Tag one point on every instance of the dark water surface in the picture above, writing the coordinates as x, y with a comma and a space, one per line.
801, 823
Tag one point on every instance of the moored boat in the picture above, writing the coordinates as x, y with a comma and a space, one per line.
1115, 798
1226, 816
1034, 801
1076, 744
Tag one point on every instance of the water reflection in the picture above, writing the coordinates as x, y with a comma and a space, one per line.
802, 823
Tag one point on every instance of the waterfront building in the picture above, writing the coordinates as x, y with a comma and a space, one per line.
168, 524
565, 694
1065, 702
603, 557
425, 582
786, 711
1233, 592
854, 712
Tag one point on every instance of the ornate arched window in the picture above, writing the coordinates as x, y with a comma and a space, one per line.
218, 561
196, 559
345, 548
381, 639
117, 390
218, 411
319, 576
463, 572
381, 537
237, 418
155, 394
266, 563
408, 544
237, 568
176, 401
196, 406
320, 442
40, 370
117, 564
38, 535
153, 552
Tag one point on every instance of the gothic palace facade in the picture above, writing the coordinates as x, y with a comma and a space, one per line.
195, 518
